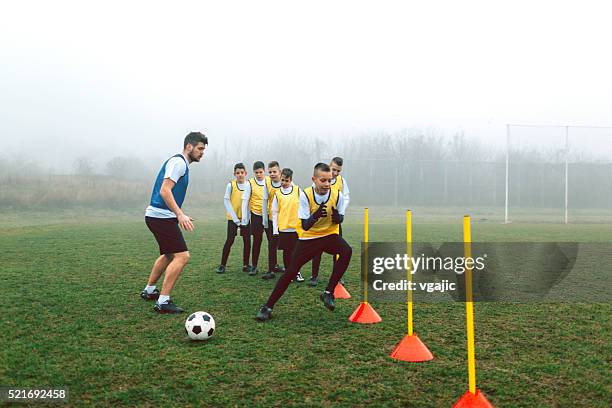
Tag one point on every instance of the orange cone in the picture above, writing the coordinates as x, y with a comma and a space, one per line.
340, 292
469, 400
412, 349
365, 314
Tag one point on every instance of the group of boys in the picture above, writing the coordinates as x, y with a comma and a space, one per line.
302, 223
311, 221
248, 206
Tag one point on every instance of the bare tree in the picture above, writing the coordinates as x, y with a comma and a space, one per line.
83, 166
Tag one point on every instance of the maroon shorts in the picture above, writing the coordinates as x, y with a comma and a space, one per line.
167, 234
287, 241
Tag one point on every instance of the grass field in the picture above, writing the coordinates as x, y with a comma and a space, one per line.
72, 317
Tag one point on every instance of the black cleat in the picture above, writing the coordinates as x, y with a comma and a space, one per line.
167, 307
298, 278
268, 275
246, 268
253, 272
328, 300
150, 296
314, 281
264, 314
278, 269
220, 269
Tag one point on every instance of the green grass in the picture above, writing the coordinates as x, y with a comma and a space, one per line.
72, 317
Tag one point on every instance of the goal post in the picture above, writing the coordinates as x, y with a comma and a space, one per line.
556, 147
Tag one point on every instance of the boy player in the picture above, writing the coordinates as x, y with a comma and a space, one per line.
321, 211
273, 184
233, 212
252, 208
285, 217
339, 183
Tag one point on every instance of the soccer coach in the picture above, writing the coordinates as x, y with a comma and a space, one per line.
163, 217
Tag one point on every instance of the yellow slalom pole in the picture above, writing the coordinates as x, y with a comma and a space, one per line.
409, 271
469, 306
365, 239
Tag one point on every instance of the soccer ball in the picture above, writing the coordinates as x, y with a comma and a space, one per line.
200, 326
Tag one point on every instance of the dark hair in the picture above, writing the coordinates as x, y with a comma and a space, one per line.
194, 138
239, 166
273, 163
258, 165
338, 161
287, 172
321, 167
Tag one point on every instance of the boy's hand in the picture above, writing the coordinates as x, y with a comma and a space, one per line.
336, 217
321, 212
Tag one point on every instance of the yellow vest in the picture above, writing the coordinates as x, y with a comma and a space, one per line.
235, 200
288, 208
338, 183
256, 200
271, 191
324, 225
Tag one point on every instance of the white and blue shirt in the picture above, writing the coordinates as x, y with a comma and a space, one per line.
175, 168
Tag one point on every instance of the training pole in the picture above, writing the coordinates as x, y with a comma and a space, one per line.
469, 306
409, 270
366, 239
473, 397
365, 313
410, 348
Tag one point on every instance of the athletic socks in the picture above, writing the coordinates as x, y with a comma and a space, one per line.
149, 289
163, 299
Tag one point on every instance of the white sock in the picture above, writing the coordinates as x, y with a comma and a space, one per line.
149, 289
163, 299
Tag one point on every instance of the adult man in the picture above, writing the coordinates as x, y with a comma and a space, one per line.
321, 211
163, 217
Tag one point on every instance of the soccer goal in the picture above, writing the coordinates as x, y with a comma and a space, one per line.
558, 173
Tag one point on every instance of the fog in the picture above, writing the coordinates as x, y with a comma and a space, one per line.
109, 89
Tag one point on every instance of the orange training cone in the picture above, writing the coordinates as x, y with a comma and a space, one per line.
412, 349
365, 314
340, 292
469, 400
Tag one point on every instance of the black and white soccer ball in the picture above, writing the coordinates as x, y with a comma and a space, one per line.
200, 326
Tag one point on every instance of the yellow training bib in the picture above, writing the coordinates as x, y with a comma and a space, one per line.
256, 201
288, 208
324, 225
235, 200
338, 183
271, 191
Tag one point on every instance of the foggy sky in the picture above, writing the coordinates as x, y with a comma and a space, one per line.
132, 78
